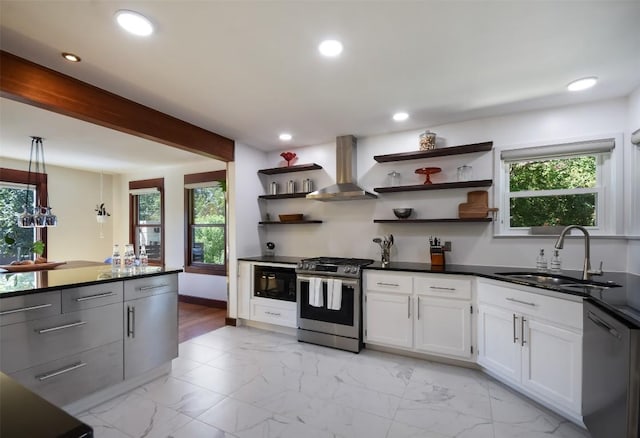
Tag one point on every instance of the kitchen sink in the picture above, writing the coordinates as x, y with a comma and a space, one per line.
560, 281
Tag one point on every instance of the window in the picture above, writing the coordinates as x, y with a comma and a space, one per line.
14, 185
146, 218
557, 185
206, 219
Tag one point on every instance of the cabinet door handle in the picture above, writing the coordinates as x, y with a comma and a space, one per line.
597, 321
515, 334
380, 283
521, 302
408, 307
157, 286
94, 297
418, 308
131, 321
75, 366
442, 288
61, 327
25, 309
522, 321
273, 313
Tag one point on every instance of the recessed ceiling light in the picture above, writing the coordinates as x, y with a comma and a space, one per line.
71, 57
134, 22
399, 117
285, 137
330, 48
582, 84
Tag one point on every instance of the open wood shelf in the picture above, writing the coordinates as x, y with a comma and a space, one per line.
289, 169
438, 186
440, 152
285, 196
425, 221
289, 222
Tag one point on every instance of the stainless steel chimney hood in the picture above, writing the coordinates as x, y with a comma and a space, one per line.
345, 188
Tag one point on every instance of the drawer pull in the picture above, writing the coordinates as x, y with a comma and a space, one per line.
522, 321
158, 286
380, 283
515, 336
408, 307
442, 288
94, 297
521, 302
273, 313
61, 327
25, 309
75, 366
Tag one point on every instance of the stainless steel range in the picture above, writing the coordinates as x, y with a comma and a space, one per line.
329, 297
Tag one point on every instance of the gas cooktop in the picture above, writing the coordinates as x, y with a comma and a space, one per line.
338, 266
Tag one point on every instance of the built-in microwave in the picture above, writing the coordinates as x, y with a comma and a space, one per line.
275, 282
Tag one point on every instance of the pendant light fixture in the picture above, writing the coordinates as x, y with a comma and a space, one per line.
40, 216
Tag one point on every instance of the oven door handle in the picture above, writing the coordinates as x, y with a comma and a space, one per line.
348, 283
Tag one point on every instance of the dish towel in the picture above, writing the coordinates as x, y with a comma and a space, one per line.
335, 302
315, 292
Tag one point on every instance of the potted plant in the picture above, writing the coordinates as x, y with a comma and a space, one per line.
101, 213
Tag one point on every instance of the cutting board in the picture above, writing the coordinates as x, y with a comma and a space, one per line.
477, 205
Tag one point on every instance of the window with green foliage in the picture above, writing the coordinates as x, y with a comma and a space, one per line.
146, 218
558, 185
560, 191
206, 218
20, 243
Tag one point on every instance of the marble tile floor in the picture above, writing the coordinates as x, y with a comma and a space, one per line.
239, 382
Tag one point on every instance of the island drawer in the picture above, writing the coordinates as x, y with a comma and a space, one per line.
28, 307
144, 287
31, 343
71, 378
91, 296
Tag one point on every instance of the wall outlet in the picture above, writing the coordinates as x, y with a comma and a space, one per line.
447, 245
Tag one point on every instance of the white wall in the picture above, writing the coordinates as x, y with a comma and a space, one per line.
243, 190
348, 227
73, 194
632, 195
199, 285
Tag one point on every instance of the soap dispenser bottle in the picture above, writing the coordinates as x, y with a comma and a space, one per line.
556, 262
541, 262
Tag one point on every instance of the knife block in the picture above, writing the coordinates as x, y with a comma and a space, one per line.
437, 257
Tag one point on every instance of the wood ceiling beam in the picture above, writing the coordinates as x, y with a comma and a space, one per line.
33, 84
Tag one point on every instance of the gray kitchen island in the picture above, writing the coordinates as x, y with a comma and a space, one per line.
81, 334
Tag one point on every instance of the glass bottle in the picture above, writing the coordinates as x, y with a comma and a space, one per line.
541, 262
144, 258
129, 257
556, 262
116, 259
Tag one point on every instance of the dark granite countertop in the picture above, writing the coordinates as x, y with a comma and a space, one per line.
25, 414
622, 302
70, 275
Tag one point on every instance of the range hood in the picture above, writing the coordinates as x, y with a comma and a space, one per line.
345, 188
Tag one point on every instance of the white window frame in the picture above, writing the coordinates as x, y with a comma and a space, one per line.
609, 190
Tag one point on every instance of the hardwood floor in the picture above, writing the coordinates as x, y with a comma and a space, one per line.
195, 320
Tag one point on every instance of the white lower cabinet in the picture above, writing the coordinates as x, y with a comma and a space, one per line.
388, 319
417, 312
244, 289
524, 341
443, 326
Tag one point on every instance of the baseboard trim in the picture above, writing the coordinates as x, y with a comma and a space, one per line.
218, 304
230, 321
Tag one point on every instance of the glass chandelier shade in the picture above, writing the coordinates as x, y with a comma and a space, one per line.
41, 215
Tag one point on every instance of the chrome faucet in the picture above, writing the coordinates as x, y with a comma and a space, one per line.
586, 269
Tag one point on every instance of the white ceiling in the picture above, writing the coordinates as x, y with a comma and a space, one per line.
249, 70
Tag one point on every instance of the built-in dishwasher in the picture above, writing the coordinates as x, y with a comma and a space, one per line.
610, 375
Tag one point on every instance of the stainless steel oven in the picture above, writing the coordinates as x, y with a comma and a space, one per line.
329, 297
275, 282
